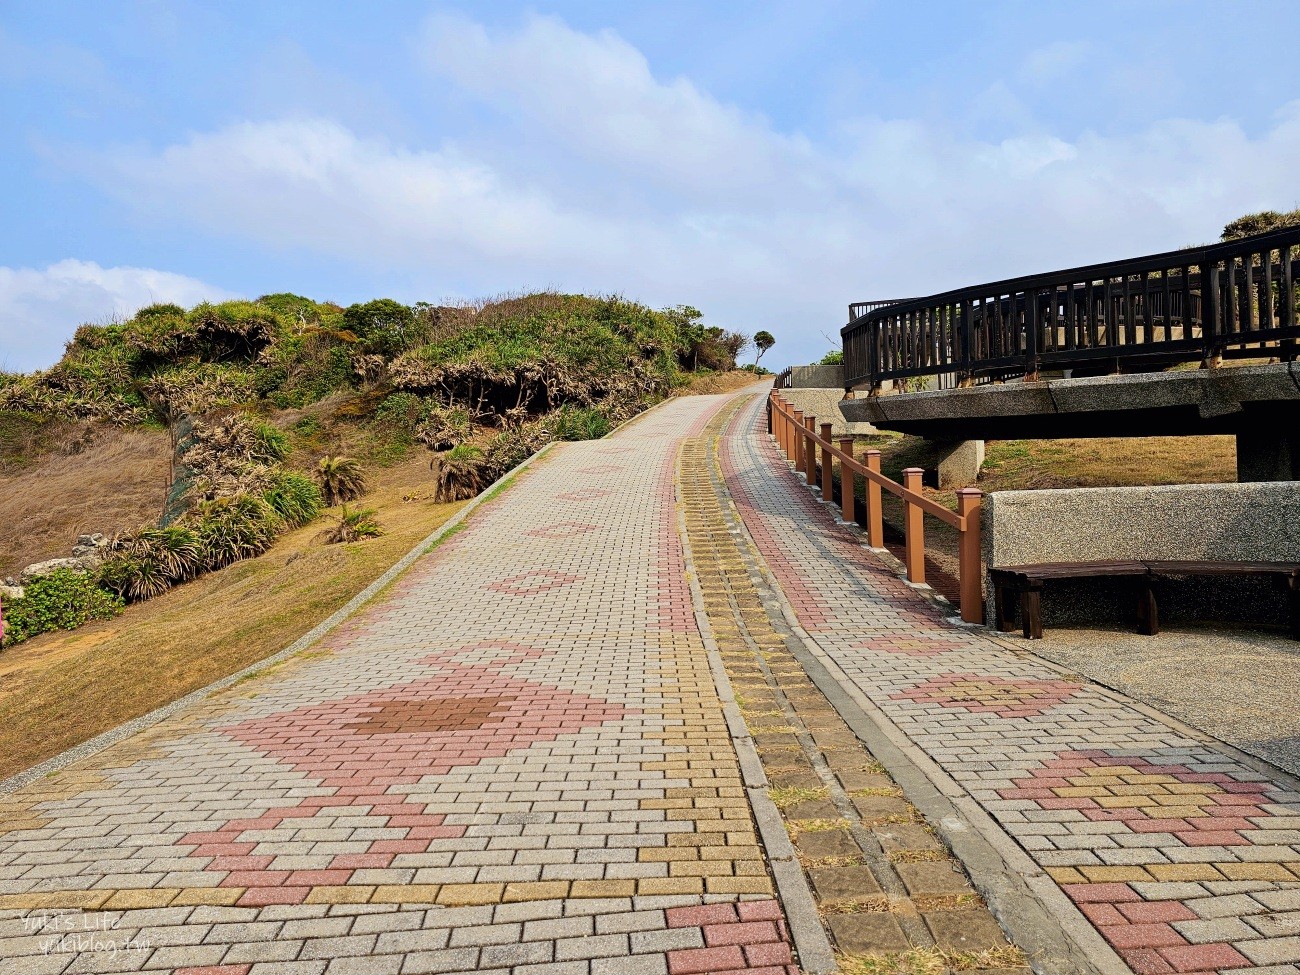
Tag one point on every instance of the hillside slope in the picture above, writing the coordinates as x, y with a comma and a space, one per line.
196, 438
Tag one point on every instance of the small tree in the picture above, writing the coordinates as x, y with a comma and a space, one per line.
385, 326
340, 479
763, 340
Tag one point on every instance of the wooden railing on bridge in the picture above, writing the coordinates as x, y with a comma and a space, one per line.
798, 437
1236, 299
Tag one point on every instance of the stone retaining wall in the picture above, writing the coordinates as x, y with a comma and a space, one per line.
817, 377
825, 405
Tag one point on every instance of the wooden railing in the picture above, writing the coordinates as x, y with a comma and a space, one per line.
1202, 303
798, 437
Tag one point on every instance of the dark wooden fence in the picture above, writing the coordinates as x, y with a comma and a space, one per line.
1236, 299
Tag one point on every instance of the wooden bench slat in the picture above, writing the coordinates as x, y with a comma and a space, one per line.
1028, 580
1169, 567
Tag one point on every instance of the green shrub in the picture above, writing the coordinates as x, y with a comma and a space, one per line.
403, 410
271, 444
235, 528
151, 561
62, 600
294, 498
353, 526
385, 326
578, 423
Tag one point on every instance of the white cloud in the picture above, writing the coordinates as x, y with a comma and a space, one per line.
40, 308
597, 93
615, 180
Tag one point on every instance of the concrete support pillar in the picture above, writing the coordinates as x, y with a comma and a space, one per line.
959, 462
1268, 455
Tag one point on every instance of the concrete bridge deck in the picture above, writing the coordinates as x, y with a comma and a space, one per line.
654, 710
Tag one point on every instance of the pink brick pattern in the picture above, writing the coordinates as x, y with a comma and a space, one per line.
991, 695
746, 937
498, 724
1183, 857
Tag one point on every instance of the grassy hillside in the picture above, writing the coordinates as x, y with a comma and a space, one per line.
201, 436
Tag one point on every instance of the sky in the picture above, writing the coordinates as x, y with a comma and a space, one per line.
767, 163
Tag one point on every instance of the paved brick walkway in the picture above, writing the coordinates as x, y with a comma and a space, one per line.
891, 897
515, 759
1184, 858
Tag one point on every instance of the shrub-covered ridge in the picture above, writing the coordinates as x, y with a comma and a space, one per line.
255, 392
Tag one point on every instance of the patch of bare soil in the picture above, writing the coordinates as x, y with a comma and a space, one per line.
60, 689
117, 481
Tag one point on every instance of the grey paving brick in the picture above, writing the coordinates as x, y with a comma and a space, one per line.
632, 921
288, 968
631, 965
647, 942
437, 962
566, 927
1214, 929
599, 946
352, 945
1273, 951
373, 965
510, 955
487, 934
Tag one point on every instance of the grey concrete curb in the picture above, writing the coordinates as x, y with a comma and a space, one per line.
122, 731
1054, 934
813, 947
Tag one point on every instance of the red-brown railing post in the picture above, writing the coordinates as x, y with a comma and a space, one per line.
791, 446
783, 430
972, 574
828, 481
913, 520
810, 450
798, 441
848, 481
875, 514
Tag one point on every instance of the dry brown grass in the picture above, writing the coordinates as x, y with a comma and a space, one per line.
61, 689
46, 505
710, 383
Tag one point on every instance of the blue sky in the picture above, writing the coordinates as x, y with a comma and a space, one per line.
765, 162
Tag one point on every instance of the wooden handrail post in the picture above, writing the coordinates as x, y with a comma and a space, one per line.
972, 574
914, 526
828, 480
797, 444
848, 481
785, 432
875, 514
810, 450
